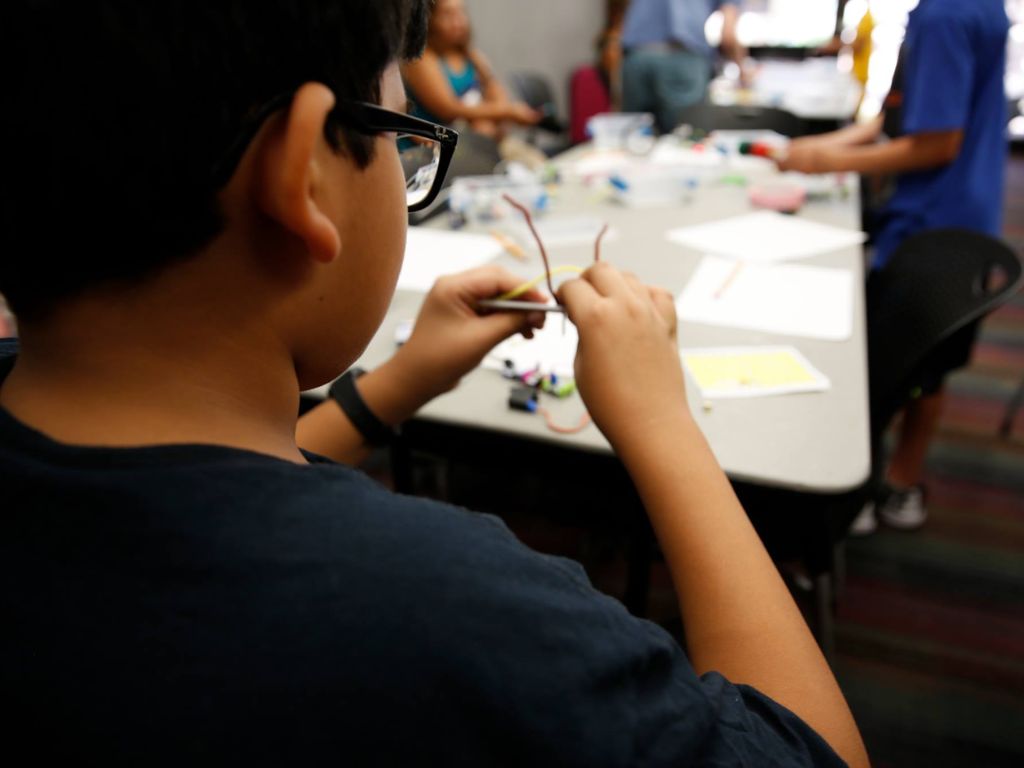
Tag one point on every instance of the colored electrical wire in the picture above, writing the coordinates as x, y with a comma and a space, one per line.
597, 244
563, 430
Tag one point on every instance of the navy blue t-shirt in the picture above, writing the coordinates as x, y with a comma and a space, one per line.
193, 605
950, 77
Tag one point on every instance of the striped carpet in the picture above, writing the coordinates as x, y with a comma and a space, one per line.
931, 624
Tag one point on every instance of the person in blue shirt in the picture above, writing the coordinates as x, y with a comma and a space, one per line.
668, 61
945, 120
453, 82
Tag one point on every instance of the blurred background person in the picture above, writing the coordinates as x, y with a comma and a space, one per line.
453, 83
668, 61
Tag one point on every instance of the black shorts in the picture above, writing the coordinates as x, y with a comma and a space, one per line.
953, 353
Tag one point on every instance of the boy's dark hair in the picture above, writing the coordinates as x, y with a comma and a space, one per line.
119, 110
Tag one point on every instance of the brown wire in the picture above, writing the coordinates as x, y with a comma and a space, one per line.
540, 243
597, 245
536, 236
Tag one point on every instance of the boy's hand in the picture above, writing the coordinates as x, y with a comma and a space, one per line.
451, 337
627, 364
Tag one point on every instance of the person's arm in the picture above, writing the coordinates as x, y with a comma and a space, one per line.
739, 617
915, 152
731, 46
449, 340
847, 136
426, 79
494, 90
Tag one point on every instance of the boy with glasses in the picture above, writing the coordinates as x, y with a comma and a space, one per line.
205, 210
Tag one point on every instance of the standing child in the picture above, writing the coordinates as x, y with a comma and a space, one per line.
945, 120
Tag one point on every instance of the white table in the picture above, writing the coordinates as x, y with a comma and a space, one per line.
818, 442
813, 89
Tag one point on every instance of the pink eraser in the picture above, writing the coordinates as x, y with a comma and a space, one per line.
786, 198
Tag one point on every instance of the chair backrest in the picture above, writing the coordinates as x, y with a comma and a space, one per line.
588, 96
536, 91
934, 285
532, 88
705, 118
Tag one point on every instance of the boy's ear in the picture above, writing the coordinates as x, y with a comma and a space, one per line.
288, 172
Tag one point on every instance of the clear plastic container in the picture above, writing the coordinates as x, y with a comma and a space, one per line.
655, 185
631, 131
481, 199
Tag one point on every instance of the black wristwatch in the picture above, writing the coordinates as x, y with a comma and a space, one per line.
374, 431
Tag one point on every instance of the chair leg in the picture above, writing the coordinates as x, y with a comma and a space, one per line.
840, 572
824, 619
401, 467
1011, 411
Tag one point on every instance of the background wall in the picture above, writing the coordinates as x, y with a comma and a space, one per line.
550, 37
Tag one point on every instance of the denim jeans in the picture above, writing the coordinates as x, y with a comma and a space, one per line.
663, 83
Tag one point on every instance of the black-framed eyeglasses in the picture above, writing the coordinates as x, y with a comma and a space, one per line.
424, 148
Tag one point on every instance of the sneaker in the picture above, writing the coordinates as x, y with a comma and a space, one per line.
904, 509
865, 523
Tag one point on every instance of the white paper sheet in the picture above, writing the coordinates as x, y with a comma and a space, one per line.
745, 372
786, 299
432, 253
550, 351
766, 236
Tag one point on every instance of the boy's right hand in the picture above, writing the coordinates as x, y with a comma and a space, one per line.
627, 364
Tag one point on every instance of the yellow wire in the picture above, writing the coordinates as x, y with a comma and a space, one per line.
517, 292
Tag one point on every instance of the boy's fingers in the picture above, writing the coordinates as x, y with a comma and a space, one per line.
635, 285
607, 280
576, 296
498, 326
666, 307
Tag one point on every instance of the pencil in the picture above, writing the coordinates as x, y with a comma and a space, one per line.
510, 245
730, 279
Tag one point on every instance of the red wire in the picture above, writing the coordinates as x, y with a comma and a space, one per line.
558, 428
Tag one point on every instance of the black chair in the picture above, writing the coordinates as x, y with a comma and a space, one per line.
932, 291
536, 91
550, 135
705, 118
935, 288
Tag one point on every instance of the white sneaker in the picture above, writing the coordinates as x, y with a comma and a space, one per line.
904, 509
865, 523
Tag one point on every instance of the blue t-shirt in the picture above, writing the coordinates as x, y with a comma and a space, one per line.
662, 21
950, 77
200, 605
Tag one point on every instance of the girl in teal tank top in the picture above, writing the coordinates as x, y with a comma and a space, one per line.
453, 81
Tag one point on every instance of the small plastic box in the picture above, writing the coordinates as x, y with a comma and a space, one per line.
480, 199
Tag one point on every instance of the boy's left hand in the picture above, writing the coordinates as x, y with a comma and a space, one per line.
451, 336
